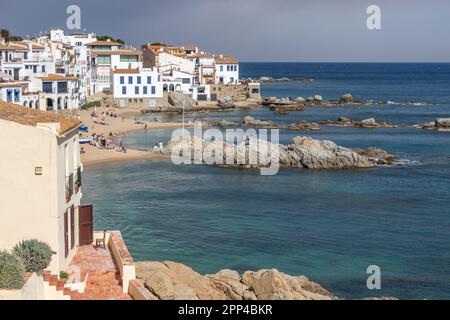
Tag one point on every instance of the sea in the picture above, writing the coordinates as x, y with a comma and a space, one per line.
330, 225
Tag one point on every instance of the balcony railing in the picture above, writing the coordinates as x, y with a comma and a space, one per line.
69, 187
77, 180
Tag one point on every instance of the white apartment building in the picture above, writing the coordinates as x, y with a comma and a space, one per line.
136, 85
57, 92
226, 70
105, 57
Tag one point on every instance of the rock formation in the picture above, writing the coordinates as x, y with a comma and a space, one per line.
303, 152
440, 124
304, 126
225, 102
366, 123
251, 122
174, 281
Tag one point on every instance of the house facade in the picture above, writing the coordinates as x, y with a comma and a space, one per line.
41, 181
141, 86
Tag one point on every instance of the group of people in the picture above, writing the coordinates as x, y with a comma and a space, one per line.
102, 142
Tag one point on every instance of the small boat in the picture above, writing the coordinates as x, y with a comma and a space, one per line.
85, 140
84, 128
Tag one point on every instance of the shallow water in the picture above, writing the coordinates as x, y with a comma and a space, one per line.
328, 225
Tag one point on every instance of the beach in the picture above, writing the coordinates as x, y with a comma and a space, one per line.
123, 123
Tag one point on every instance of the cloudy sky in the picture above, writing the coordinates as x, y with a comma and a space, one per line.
256, 30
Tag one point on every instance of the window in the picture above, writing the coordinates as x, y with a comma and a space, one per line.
136, 90
186, 80
124, 90
16, 95
149, 80
122, 80
25, 55
47, 87
62, 87
145, 89
104, 60
235, 68
9, 94
34, 69
130, 80
153, 89
221, 68
129, 58
43, 69
138, 80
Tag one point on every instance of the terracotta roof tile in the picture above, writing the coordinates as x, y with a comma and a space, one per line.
52, 77
126, 70
103, 43
31, 117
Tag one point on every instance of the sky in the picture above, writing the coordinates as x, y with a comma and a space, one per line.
256, 30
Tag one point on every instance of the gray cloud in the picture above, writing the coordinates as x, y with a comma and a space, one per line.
257, 30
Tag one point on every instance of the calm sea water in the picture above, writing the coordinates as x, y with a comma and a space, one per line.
328, 225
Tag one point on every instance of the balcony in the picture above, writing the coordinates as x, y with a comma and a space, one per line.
69, 187
77, 180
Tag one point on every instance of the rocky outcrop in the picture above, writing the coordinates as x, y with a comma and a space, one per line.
346, 98
180, 100
283, 79
366, 123
304, 126
251, 122
225, 102
440, 124
303, 152
174, 281
223, 124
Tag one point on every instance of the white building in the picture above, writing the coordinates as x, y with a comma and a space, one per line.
58, 92
226, 70
41, 181
136, 86
105, 57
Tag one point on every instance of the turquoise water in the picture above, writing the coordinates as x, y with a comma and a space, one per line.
328, 225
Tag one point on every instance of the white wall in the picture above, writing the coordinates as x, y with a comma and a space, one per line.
130, 87
229, 77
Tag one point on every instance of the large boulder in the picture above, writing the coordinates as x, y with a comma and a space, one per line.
443, 123
274, 285
318, 98
225, 102
174, 281
347, 98
177, 282
371, 122
180, 100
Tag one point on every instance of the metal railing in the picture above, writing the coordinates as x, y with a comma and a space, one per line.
69, 187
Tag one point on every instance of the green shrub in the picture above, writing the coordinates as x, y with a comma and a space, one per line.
63, 275
36, 255
12, 271
92, 104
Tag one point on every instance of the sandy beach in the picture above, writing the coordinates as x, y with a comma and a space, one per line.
125, 122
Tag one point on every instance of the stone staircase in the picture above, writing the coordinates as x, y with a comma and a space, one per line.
55, 287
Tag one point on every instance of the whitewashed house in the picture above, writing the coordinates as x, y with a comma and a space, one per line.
136, 86
226, 70
57, 92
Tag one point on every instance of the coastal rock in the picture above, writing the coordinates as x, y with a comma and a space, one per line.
274, 285
346, 98
376, 155
179, 100
173, 281
366, 123
304, 152
223, 124
251, 122
177, 282
443, 123
299, 100
318, 98
265, 79
440, 124
304, 126
225, 102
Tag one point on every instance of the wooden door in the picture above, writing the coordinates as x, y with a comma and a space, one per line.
72, 227
66, 233
86, 224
